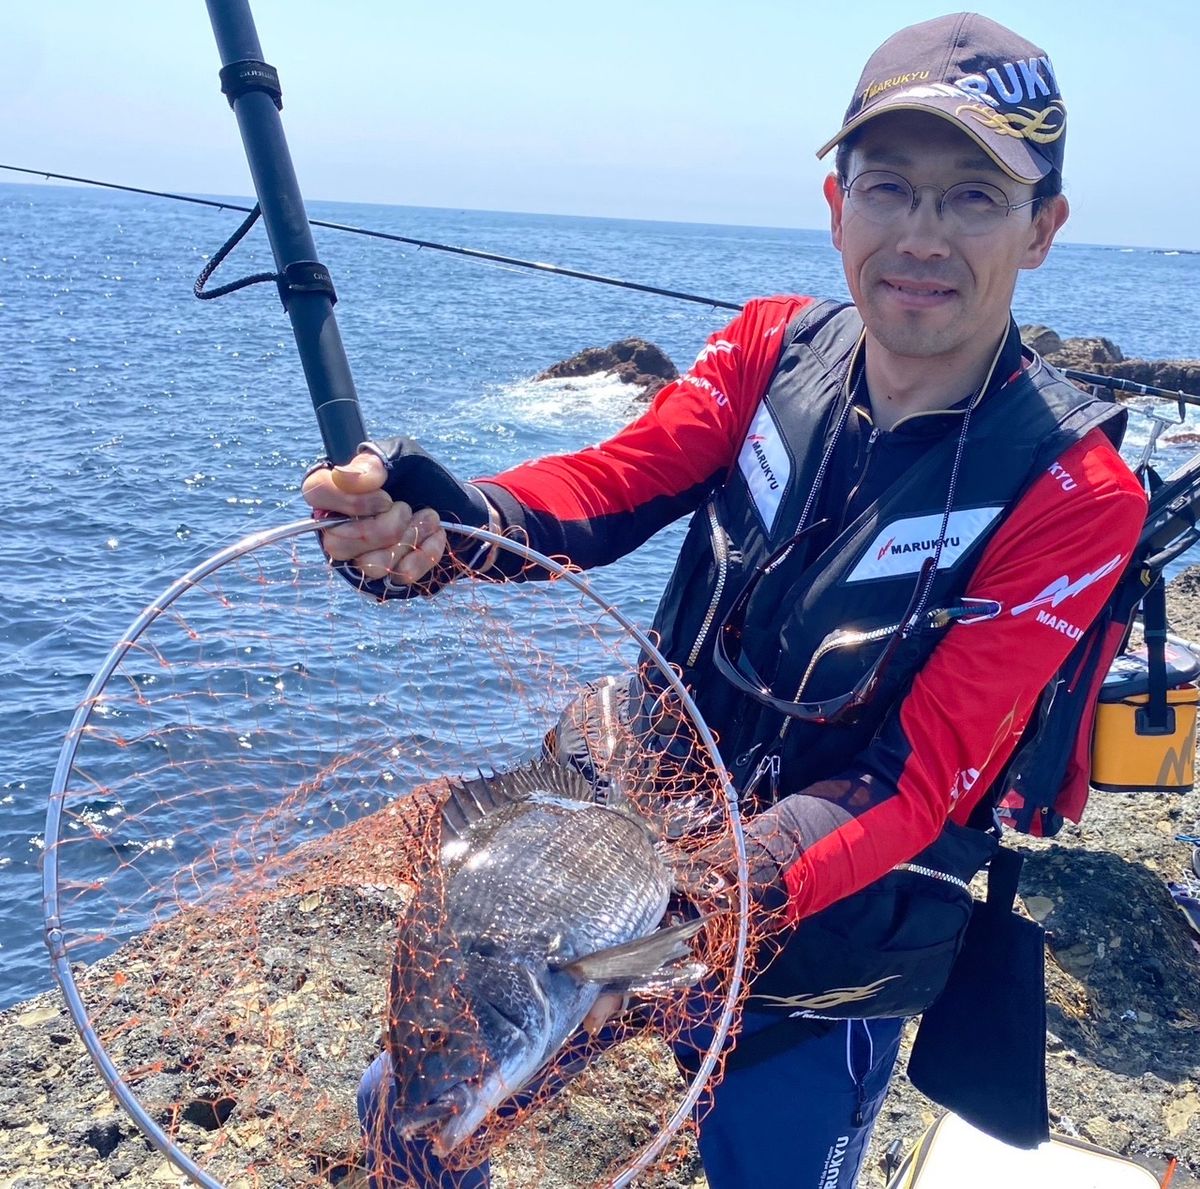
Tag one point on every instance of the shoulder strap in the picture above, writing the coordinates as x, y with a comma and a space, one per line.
1004, 874
1157, 717
812, 317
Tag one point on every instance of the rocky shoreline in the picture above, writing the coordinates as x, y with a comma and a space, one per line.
1123, 1063
647, 367
1102, 357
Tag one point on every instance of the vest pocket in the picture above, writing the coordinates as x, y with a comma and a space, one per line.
886, 950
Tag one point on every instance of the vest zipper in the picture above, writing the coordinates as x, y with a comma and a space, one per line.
872, 438
933, 873
826, 644
842, 638
721, 553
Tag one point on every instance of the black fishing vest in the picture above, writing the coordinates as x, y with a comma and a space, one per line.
866, 576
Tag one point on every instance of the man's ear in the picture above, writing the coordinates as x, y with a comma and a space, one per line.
836, 197
1052, 214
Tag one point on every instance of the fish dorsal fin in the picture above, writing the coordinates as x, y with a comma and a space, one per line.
636, 961
471, 800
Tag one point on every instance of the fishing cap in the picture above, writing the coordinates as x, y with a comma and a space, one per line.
997, 87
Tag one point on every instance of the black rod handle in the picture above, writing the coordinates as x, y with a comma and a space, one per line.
322, 355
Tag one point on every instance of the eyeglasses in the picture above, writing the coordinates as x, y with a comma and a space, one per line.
968, 208
736, 668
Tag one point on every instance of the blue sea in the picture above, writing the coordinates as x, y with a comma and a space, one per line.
147, 430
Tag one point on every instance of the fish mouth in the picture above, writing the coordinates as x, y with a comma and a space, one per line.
472, 1103
455, 1114
442, 1111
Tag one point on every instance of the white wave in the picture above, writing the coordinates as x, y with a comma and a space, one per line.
579, 403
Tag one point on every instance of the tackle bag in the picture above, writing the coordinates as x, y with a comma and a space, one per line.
980, 1050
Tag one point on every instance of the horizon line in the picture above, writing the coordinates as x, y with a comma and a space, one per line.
40, 181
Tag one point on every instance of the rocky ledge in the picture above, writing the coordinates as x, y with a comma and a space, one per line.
633, 361
646, 366
1102, 357
291, 1027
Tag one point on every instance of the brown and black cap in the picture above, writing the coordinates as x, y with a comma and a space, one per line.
997, 87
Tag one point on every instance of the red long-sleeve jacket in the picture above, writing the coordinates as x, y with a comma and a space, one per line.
1052, 564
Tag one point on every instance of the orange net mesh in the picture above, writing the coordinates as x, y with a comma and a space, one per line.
249, 853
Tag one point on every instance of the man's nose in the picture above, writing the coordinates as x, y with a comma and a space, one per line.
923, 231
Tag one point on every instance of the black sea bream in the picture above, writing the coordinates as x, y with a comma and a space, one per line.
542, 900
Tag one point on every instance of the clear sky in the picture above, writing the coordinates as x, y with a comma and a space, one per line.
658, 110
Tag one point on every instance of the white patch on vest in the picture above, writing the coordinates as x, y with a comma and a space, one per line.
902, 546
765, 465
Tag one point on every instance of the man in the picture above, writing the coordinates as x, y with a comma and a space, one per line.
868, 466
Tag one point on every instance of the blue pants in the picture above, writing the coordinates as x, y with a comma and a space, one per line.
800, 1117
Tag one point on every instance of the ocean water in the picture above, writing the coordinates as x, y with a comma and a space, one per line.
146, 430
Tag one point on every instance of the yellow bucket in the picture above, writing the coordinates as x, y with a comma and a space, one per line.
1132, 754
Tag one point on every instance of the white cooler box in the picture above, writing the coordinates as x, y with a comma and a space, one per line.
954, 1155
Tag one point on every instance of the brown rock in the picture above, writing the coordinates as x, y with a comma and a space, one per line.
1085, 353
1041, 338
1102, 357
633, 361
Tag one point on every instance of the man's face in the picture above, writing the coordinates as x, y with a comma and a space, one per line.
924, 289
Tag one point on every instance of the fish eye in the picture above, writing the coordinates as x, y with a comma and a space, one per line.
436, 1038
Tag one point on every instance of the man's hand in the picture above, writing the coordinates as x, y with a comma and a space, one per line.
389, 540
775, 839
609, 1005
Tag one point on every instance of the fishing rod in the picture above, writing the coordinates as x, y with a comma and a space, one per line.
431, 245
1112, 382
1119, 385
252, 88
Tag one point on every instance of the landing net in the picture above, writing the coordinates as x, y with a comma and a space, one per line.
245, 811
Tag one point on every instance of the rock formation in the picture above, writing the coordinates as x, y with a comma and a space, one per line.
634, 361
1103, 357
641, 363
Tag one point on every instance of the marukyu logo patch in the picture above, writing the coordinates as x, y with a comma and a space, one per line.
1065, 588
902, 546
765, 465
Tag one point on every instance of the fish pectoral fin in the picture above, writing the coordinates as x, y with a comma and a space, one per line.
669, 978
638, 960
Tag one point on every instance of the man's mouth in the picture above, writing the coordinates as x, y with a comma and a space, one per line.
920, 289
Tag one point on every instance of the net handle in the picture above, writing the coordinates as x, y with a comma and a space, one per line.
252, 88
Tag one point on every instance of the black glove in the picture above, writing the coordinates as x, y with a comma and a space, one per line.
775, 839
415, 478
421, 482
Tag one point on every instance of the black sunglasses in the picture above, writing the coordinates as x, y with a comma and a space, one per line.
735, 666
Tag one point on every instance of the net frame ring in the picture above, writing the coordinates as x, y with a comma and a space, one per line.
55, 935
